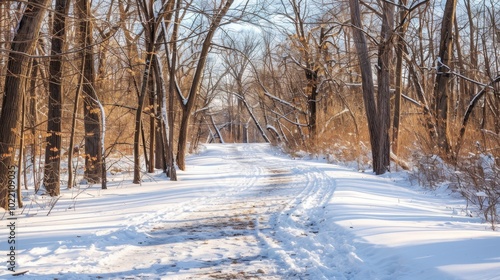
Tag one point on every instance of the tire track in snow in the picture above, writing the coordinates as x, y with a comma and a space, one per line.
256, 225
295, 237
294, 233
203, 236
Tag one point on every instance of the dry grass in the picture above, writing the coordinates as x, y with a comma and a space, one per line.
475, 173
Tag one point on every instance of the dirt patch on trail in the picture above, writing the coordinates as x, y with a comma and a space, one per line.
219, 238
279, 177
238, 275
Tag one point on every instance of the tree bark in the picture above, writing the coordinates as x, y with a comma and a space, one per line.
374, 127
138, 116
17, 66
51, 179
163, 116
19, 196
196, 83
473, 102
312, 101
385, 53
172, 172
3, 35
33, 120
91, 110
73, 123
401, 31
443, 78
152, 120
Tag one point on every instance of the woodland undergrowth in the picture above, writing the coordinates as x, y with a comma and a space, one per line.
474, 173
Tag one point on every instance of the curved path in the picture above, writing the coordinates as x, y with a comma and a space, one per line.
250, 212
255, 226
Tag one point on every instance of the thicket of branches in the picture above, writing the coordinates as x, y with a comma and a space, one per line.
411, 80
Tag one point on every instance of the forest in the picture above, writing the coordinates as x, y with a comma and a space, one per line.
387, 84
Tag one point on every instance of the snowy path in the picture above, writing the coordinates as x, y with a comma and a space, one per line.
246, 229
249, 212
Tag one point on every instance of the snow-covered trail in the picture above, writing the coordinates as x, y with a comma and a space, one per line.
246, 229
250, 212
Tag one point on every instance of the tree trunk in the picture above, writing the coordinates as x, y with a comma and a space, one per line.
367, 87
138, 116
73, 124
51, 179
23, 42
159, 142
217, 130
196, 83
19, 195
152, 121
385, 53
254, 118
33, 120
428, 118
91, 110
182, 141
399, 75
473, 102
160, 151
239, 116
172, 172
443, 78
312, 101
3, 35
162, 115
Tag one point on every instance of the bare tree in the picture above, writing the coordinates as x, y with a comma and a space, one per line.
190, 99
385, 56
153, 18
377, 111
17, 67
32, 120
310, 49
401, 31
149, 24
443, 78
91, 108
241, 51
54, 123
172, 86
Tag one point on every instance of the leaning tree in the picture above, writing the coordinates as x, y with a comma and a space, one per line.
15, 82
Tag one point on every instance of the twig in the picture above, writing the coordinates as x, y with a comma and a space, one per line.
53, 204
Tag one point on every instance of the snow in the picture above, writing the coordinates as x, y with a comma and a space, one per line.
247, 211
